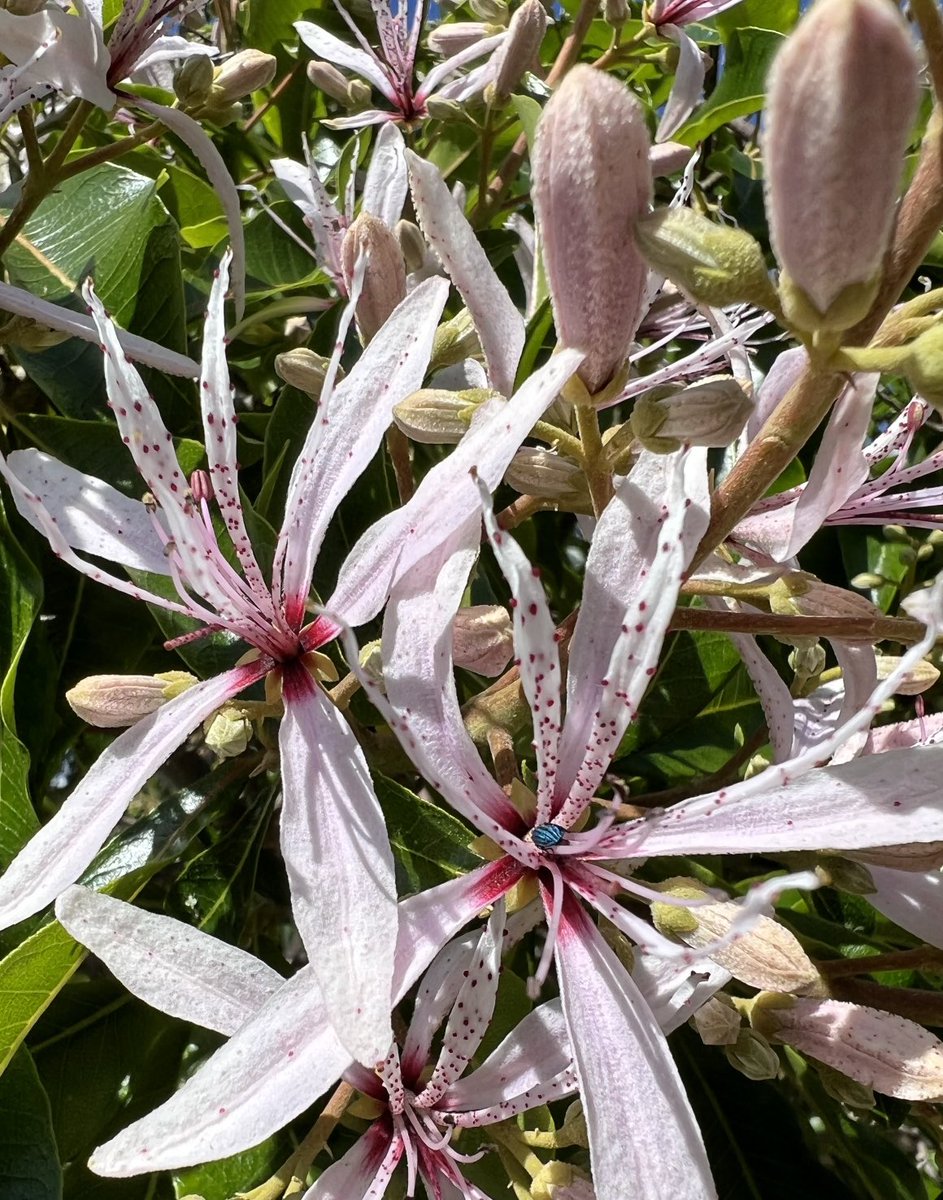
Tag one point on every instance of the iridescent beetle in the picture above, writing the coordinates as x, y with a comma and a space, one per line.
545, 837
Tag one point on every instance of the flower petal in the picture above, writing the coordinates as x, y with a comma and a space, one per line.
534, 1055
351, 1176
384, 189
348, 429
325, 45
471, 1014
499, 324
58, 854
435, 996
536, 654
643, 1137
169, 965
642, 544
441, 71
90, 514
340, 866
447, 498
219, 431
303, 187
421, 703
16, 300
912, 900
687, 87
197, 141
272, 1069
878, 800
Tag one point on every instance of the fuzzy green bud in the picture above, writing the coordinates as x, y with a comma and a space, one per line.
193, 82
710, 413
327, 79
303, 369
439, 417
715, 264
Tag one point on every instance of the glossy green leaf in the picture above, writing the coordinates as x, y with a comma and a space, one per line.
29, 1158
110, 223
429, 844
741, 88
20, 596
231, 1176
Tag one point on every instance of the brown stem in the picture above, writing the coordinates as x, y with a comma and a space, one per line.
927, 16
501, 745
520, 509
898, 960
106, 154
397, 446
728, 773
851, 629
916, 1004
808, 401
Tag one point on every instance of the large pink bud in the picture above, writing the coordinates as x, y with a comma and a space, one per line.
842, 101
591, 182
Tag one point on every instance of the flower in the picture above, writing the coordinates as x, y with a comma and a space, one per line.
640, 549
391, 71
333, 835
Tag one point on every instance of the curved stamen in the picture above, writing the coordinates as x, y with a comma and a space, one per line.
536, 981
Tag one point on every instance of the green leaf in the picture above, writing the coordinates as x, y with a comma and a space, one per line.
230, 1176
780, 15
30, 977
741, 88
110, 223
29, 1159
528, 113
270, 21
429, 844
20, 596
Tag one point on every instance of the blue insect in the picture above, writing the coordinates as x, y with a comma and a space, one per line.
545, 837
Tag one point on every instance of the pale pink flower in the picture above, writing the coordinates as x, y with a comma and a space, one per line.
391, 71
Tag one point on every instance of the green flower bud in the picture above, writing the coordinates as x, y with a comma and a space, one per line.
114, 701
753, 1056
193, 82
304, 370
710, 413
715, 264
438, 417
327, 79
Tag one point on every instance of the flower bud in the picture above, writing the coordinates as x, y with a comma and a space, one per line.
845, 1090
534, 472
768, 956
228, 731
493, 11
710, 413
715, 264
446, 40
30, 335
836, 871
438, 417
454, 341
384, 281
303, 369
753, 1056
920, 678
327, 79
717, 1022
113, 701
441, 108
842, 98
558, 1180
412, 244
917, 856
616, 13
371, 661
358, 94
193, 82
591, 182
881, 1050
517, 52
482, 639
668, 158
246, 72
22, 8
800, 594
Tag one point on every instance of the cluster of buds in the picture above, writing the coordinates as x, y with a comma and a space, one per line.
214, 94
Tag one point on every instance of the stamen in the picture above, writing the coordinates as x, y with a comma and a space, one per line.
537, 980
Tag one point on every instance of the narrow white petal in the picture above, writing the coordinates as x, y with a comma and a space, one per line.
325, 45
340, 867
384, 189
274, 1067
91, 515
349, 427
58, 854
643, 1138
448, 497
16, 300
499, 324
169, 965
